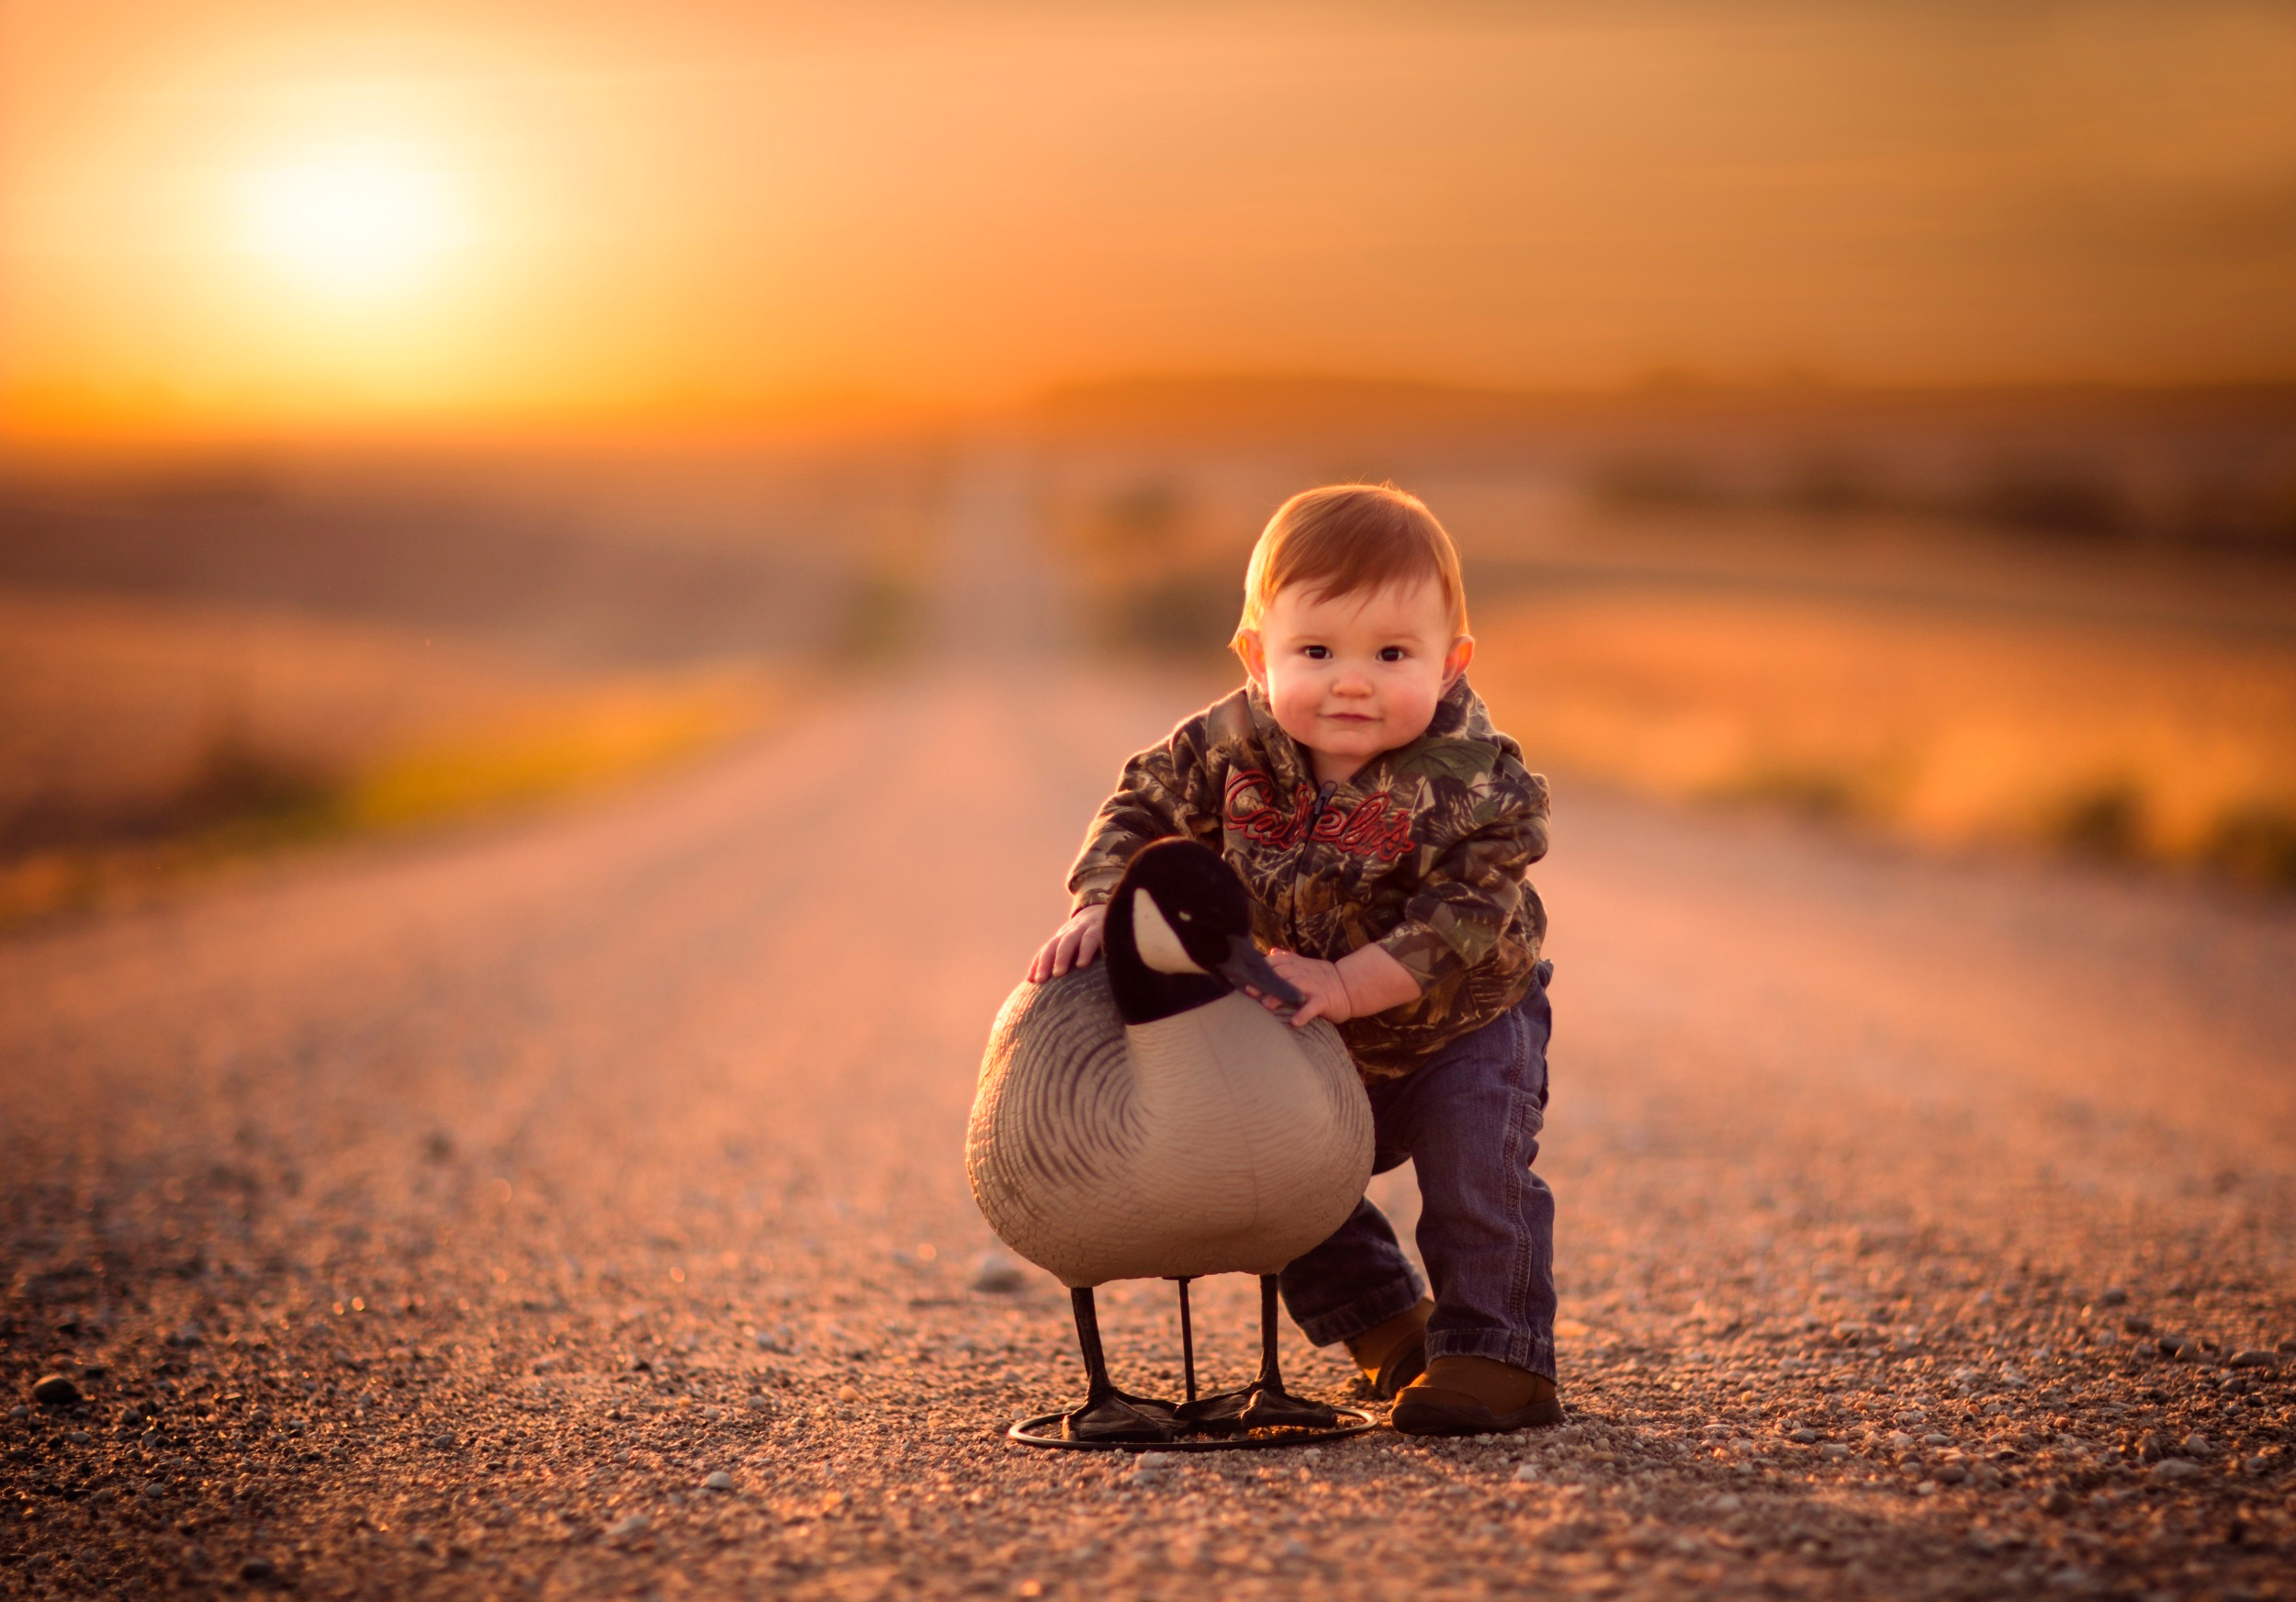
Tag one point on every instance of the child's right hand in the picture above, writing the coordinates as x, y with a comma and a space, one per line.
1075, 945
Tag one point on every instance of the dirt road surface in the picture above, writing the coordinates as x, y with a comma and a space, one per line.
446, 1219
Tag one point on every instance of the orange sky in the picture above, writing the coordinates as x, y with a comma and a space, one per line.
684, 208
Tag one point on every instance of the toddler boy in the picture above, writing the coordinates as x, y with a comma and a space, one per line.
1383, 827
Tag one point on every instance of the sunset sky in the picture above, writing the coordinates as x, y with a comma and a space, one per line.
261, 215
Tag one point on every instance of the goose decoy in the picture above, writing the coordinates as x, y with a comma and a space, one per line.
1142, 1118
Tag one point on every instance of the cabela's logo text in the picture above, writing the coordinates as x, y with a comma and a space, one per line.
1374, 826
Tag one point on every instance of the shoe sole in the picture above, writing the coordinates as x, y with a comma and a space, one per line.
1423, 1416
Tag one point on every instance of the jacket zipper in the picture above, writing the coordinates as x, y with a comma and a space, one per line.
1322, 799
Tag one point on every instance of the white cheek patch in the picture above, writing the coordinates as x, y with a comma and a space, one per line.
1158, 946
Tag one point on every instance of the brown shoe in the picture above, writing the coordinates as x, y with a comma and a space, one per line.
1476, 1396
1393, 1352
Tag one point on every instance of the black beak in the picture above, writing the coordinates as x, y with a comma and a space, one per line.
1245, 968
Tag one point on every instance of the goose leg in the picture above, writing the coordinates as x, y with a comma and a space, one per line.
1188, 1342
1270, 1402
1108, 1413
1263, 1403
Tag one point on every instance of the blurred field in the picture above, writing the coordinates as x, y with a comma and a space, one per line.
201, 663
141, 740
2114, 741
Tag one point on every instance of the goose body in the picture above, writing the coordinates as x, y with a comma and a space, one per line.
1217, 1140
1142, 1118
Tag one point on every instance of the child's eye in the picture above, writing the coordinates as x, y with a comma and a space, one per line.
1315, 653
1392, 653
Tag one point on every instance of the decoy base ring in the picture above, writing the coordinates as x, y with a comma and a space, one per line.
1044, 1429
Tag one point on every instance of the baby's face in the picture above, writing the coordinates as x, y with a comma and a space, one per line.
1353, 676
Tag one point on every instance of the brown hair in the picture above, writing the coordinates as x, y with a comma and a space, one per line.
1344, 538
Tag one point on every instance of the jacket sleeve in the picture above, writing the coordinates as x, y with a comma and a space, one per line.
1165, 790
1464, 910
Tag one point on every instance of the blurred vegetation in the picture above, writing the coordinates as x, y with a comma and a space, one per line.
1812, 793
2255, 843
2119, 745
2065, 495
235, 785
1158, 571
241, 798
2055, 498
2210, 466
603, 739
203, 660
1635, 483
1192, 612
2106, 823
882, 617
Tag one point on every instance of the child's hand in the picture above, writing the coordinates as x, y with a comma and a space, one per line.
1361, 982
1075, 945
1319, 982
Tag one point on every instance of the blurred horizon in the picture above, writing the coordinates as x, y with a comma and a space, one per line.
494, 218
1242, 405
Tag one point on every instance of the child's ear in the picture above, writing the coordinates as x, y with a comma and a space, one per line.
1253, 651
1455, 663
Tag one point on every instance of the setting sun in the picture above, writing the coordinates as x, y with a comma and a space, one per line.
353, 221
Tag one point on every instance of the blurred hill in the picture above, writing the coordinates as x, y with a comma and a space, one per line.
2206, 465
606, 560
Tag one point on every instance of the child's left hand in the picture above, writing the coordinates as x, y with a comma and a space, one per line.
1362, 982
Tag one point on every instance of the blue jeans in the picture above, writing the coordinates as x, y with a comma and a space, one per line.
1468, 1118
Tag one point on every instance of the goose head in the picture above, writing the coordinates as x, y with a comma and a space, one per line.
1179, 934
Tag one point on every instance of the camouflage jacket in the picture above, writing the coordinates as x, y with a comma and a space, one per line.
1423, 852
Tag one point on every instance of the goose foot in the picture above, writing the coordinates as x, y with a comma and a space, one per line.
1114, 1417
1154, 1407
1108, 1413
1263, 1403
1256, 1406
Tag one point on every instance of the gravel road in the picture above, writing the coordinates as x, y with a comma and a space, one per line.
577, 1209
